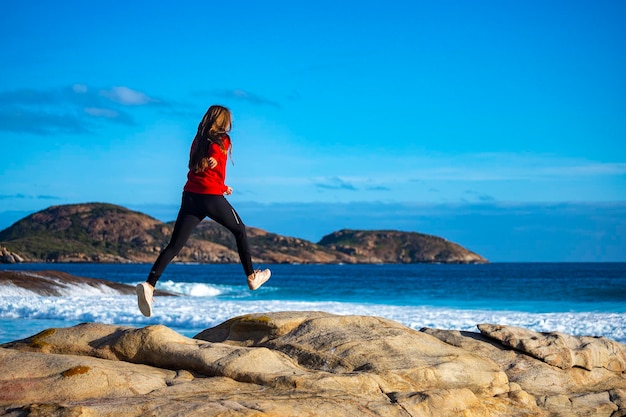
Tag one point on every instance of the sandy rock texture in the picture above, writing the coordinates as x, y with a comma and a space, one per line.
310, 364
8, 257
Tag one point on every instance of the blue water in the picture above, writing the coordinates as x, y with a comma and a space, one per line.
576, 298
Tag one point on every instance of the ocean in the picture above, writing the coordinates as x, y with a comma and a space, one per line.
576, 298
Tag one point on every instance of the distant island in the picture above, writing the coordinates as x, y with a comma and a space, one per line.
107, 233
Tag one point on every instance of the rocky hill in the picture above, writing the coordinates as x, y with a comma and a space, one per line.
100, 232
403, 247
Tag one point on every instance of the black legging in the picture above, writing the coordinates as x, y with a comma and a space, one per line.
194, 208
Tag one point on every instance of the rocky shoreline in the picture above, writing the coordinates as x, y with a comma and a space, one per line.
56, 283
311, 364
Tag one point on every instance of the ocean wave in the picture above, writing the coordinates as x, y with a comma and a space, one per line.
86, 290
60, 288
10, 290
190, 315
193, 289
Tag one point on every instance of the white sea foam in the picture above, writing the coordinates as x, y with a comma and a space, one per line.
193, 289
64, 288
11, 290
190, 315
86, 290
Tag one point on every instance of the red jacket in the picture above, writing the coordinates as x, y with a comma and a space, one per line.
210, 181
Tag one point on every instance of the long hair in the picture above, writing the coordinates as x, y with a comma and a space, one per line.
215, 124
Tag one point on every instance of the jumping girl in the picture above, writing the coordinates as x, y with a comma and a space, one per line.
203, 195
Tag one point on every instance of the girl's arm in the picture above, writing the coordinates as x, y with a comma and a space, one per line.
213, 148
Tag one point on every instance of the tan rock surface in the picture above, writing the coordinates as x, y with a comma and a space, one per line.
8, 257
34, 377
561, 350
295, 364
573, 391
351, 344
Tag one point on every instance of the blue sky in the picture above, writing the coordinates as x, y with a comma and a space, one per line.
498, 125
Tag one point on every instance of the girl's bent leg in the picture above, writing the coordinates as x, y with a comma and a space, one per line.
220, 210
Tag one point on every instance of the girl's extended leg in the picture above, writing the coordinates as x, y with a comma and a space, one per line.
188, 218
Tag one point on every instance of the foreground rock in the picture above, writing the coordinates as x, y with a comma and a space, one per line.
310, 364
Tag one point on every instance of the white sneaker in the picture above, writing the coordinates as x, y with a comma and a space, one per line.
144, 298
259, 278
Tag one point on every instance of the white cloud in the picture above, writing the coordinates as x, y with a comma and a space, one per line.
99, 112
63, 110
79, 88
243, 95
487, 167
126, 96
491, 176
589, 169
335, 183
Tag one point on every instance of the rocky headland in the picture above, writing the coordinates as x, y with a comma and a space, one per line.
311, 364
99, 232
57, 283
